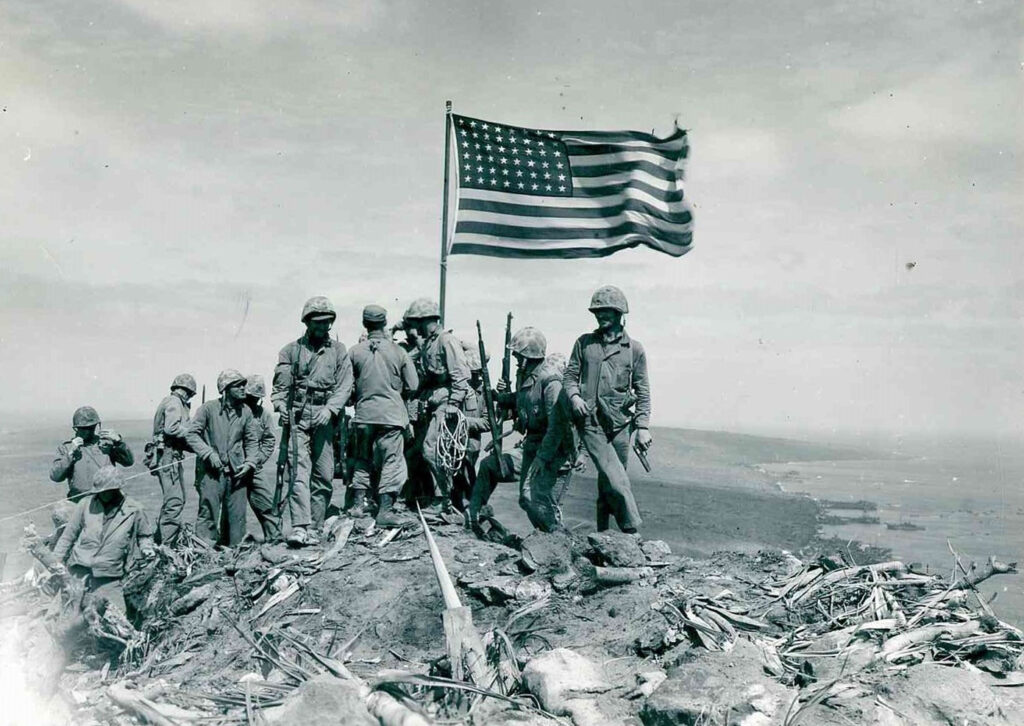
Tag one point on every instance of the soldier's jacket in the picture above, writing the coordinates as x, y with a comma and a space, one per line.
324, 377
543, 414
170, 422
79, 473
384, 376
267, 439
445, 370
612, 378
233, 434
100, 541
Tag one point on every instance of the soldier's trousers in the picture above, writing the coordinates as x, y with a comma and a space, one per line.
488, 476
441, 477
222, 502
172, 485
261, 498
380, 448
542, 492
610, 452
314, 476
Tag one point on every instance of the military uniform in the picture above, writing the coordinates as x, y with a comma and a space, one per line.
263, 483
384, 376
611, 376
544, 418
445, 383
231, 433
77, 467
170, 423
324, 380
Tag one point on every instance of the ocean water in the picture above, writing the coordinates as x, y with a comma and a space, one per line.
968, 496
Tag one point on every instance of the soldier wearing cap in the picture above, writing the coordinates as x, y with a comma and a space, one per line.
80, 457
318, 372
606, 381
166, 452
443, 388
225, 437
103, 532
261, 485
384, 377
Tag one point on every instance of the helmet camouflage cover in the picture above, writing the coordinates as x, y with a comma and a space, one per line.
254, 386
421, 308
228, 377
529, 343
85, 416
318, 308
184, 380
609, 297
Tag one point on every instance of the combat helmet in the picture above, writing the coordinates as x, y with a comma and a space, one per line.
529, 343
609, 297
318, 308
228, 377
184, 380
421, 308
107, 478
255, 387
84, 416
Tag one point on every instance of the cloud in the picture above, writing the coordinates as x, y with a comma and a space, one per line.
256, 17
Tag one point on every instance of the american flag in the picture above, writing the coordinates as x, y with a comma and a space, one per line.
533, 193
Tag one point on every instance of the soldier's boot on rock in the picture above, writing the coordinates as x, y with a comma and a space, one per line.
360, 506
303, 537
387, 516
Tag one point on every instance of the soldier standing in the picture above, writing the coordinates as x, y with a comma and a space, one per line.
79, 458
314, 376
170, 423
225, 438
606, 381
261, 487
443, 389
384, 376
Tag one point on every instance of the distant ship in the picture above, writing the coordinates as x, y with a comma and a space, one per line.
905, 527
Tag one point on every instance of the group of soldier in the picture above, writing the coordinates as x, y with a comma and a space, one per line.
411, 399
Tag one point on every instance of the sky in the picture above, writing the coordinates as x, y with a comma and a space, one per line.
177, 178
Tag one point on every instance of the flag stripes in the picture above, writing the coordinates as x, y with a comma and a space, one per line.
568, 194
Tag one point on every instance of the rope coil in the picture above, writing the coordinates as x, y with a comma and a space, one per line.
452, 440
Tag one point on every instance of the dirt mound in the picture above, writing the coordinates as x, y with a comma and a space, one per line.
599, 631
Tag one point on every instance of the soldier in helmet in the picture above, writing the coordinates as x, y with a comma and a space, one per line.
80, 457
168, 447
606, 381
314, 373
225, 437
543, 417
261, 486
384, 377
443, 388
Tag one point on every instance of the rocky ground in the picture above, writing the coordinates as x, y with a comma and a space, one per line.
589, 630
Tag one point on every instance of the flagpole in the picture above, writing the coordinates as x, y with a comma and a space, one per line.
444, 206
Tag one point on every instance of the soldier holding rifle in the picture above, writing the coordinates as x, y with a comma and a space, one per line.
312, 384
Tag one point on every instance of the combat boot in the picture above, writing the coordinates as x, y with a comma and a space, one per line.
360, 507
386, 515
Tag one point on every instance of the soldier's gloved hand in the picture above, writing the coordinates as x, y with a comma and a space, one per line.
502, 387
323, 417
580, 408
111, 435
147, 550
213, 461
644, 439
244, 469
437, 398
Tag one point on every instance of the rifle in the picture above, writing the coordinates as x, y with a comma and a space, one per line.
289, 439
492, 419
506, 359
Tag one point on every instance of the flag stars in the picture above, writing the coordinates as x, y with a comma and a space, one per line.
535, 187
529, 152
479, 168
508, 183
561, 177
545, 165
479, 157
521, 185
480, 180
531, 162
559, 165
516, 162
548, 187
561, 188
519, 172
546, 175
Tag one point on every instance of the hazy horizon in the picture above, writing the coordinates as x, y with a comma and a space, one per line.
179, 177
